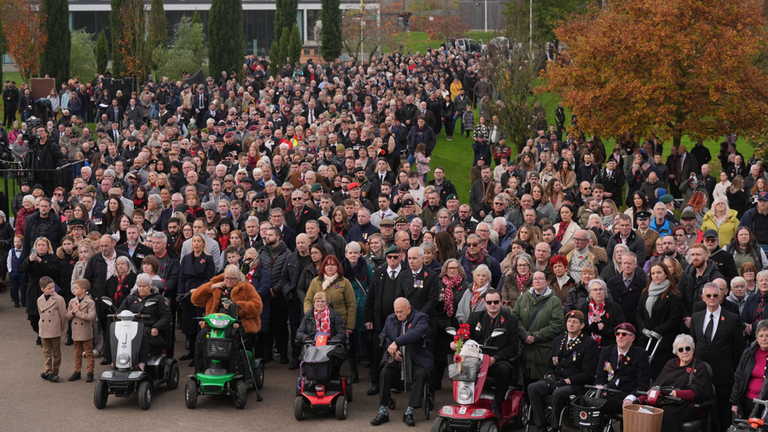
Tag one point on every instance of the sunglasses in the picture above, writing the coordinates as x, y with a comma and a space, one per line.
473, 244
623, 334
296, 199
711, 295
492, 302
392, 256
686, 349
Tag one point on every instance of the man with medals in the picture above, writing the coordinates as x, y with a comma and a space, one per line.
623, 367
571, 365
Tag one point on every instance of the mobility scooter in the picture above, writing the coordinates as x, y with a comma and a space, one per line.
316, 389
217, 379
125, 377
472, 411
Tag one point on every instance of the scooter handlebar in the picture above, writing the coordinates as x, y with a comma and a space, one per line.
760, 402
600, 387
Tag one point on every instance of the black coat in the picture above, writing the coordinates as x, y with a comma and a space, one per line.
632, 375
193, 272
667, 313
49, 266
422, 290
724, 350
56, 231
743, 374
158, 315
578, 363
96, 273
614, 315
628, 297
139, 253
308, 327
298, 225
125, 290
508, 344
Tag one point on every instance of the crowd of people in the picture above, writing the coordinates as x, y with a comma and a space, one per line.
310, 190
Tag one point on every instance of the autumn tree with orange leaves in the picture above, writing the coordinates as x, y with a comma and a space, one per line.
385, 31
677, 67
26, 40
135, 52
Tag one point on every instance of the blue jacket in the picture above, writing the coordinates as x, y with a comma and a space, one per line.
414, 339
361, 233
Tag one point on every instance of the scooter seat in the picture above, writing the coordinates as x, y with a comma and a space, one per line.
216, 372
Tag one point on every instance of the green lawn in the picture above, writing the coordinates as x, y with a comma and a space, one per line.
418, 41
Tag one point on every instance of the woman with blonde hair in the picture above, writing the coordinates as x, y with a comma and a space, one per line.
721, 219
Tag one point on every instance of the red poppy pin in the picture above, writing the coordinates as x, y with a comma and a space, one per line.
202, 261
502, 320
607, 315
688, 370
722, 318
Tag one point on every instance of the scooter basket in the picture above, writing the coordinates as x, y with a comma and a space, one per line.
218, 349
466, 370
585, 411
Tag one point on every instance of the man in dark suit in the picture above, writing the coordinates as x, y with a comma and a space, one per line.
200, 103
627, 286
162, 221
419, 285
623, 367
612, 180
481, 326
684, 166
134, 248
298, 214
277, 217
719, 342
570, 366
115, 112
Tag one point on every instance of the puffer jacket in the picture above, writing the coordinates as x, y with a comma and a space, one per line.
726, 230
282, 267
544, 326
159, 313
308, 327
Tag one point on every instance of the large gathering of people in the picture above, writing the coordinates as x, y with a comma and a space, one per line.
301, 201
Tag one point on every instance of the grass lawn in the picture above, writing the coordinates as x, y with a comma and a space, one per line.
419, 41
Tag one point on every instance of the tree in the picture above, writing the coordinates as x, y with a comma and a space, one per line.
285, 16
102, 52
3, 44
275, 53
546, 15
331, 38
82, 54
116, 30
132, 47
679, 67
188, 50
440, 19
196, 18
55, 59
225, 35
385, 31
294, 45
158, 25
25, 36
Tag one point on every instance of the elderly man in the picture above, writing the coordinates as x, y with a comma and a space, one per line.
297, 215
405, 335
420, 285
627, 287
484, 231
625, 367
506, 231
475, 255
364, 228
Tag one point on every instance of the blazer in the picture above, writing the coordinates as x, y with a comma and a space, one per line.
422, 290
632, 375
725, 348
299, 224
82, 320
665, 319
139, 253
578, 362
53, 316
628, 297
508, 344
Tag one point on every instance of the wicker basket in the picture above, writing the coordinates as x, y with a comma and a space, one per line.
635, 421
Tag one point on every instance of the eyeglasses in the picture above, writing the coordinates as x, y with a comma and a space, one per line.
492, 302
686, 349
711, 295
453, 268
392, 256
473, 244
230, 278
623, 334
297, 199
579, 240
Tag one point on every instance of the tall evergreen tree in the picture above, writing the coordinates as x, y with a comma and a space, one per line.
158, 25
294, 46
275, 52
116, 31
196, 18
102, 52
331, 43
225, 36
55, 58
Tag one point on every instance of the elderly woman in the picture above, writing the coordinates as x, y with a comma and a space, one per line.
453, 285
754, 309
562, 283
158, 315
321, 319
231, 294
738, 294
614, 268
330, 279
660, 310
601, 315
517, 280
121, 282
578, 295
154, 208
360, 276
691, 382
471, 301
750, 373
540, 314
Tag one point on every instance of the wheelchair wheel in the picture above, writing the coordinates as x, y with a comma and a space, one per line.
173, 380
341, 407
100, 394
524, 419
258, 380
145, 395
392, 403
298, 408
241, 394
489, 426
429, 402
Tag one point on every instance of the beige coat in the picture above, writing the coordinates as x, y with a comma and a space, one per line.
53, 316
82, 320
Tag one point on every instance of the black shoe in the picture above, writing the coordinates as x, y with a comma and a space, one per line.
191, 364
44, 376
68, 341
74, 377
374, 390
89, 377
284, 359
105, 361
354, 377
364, 362
186, 345
39, 341
294, 364
53, 378
23, 304
189, 355
380, 419
16, 304
408, 419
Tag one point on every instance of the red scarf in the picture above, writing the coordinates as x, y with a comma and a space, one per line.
474, 262
521, 281
450, 285
120, 286
323, 321
595, 313
224, 241
561, 230
476, 296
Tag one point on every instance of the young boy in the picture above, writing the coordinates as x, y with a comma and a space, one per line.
233, 256
18, 277
52, 324
82, 311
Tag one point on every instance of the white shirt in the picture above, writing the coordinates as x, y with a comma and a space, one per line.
716, 318
396, 270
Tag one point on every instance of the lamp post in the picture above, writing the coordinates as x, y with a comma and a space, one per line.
530, 27
486, 16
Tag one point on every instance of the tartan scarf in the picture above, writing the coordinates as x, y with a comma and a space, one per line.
595, 314
450, 285
561, 230
522, 280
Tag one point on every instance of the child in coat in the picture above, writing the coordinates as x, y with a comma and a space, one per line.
422, 162
82, 312
467, 120
52, 324
18, 277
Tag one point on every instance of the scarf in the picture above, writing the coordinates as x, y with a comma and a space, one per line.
323, 321
654, 292
120, 287
474, 262
224, 241
522, 281
328, 280
477, 294
595, 314
450, 284
760, 312
561, 230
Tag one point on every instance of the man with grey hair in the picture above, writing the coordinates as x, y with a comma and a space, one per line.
506, 231
162, 221
364, 228
297, 214
627, 287
484, 231
419, 285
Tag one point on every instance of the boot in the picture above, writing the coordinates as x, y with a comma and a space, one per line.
353, 369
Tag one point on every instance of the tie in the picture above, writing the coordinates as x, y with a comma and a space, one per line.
621, 360
710, 327
392, 274
627, 282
